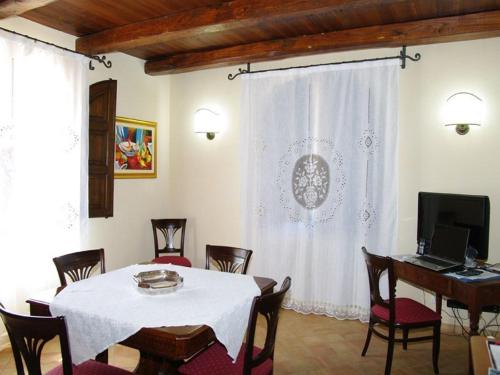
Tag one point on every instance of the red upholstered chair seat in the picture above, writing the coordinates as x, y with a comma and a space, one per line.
91, 368
173, 259
408, 311
215, 361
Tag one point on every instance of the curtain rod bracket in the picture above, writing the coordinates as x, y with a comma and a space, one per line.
403, 56
100, 60
240, 71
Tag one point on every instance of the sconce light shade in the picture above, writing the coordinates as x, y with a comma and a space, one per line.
206, 121
462, 110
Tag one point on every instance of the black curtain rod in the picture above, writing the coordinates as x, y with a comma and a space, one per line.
99, 59
402, 55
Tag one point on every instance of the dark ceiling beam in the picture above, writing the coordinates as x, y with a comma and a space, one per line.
437, 30
9, 8
226, 16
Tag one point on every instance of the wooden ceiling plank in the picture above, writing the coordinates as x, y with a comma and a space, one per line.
9, 8
231, 15
438, 30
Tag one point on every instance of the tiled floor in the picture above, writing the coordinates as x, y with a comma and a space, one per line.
310, 344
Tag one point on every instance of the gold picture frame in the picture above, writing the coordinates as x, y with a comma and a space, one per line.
135, 148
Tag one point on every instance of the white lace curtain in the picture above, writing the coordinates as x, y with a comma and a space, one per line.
43, 163
319, 179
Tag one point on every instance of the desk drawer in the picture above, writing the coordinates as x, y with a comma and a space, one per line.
423, 278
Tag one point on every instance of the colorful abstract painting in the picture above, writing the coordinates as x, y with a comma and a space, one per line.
135, 148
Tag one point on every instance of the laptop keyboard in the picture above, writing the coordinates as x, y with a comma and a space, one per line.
435, 261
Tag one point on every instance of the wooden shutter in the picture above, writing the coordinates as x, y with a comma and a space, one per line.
102, 112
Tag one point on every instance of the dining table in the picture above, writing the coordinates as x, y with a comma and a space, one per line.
162, 349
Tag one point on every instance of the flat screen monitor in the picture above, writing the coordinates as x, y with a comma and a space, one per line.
469, 211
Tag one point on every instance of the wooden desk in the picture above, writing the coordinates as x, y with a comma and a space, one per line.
475, 295
163, 349
479, 355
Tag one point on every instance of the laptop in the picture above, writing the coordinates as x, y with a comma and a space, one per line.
447, 250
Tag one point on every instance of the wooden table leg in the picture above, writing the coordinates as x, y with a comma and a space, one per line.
439, 303
474, 315
471, 365
150, 364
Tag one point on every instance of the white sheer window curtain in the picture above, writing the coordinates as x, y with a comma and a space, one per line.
43, 163
319, 179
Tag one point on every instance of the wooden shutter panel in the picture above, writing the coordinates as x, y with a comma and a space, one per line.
102, 112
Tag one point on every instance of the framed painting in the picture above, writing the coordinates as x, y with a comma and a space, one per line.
135, 148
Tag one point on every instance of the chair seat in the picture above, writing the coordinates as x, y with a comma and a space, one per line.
173, 259
91, 367
408, 311
215, 361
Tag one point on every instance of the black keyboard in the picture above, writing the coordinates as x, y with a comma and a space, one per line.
435, 261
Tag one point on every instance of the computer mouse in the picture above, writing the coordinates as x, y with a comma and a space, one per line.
470, 272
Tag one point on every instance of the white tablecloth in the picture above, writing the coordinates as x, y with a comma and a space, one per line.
106, 309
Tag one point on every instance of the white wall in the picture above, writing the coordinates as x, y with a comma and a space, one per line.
127, 236
205, 174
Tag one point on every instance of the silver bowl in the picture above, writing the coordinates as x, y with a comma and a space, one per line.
158, 282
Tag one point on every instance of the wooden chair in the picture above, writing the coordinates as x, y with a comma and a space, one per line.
403, 313
250, 360
228, 259
79, 265
29, 334
168, 228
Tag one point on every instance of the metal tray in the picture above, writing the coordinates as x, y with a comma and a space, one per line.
158, 282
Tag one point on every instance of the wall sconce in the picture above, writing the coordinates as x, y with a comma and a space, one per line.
206, 121
463, 109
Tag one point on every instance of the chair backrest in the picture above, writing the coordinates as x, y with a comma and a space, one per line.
79, 265
168, 228
29, 334
376, 265
269, 306
228, 259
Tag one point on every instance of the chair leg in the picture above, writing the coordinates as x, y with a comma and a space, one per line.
368, 338
435, 346
405, 338
102, 357
390, 350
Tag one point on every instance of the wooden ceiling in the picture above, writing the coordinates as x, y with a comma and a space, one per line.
184, 35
